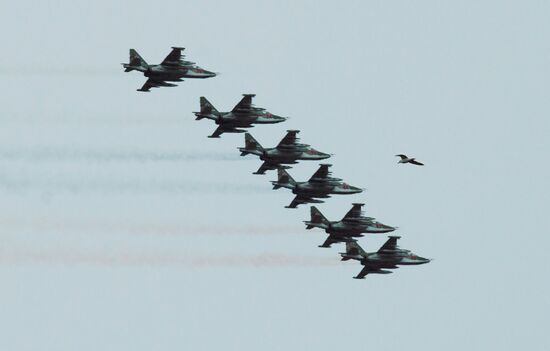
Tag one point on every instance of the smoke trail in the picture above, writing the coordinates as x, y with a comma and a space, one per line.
108, 186
140, 259
54, 71
52, 154
110, 227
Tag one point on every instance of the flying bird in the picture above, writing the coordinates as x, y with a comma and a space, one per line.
405, 159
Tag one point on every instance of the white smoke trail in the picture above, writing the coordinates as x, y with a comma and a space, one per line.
133, 186
52, 71
137, 227
48, 154
163, 259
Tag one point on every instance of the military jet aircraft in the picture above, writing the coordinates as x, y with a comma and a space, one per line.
288, 151
243, 115
389, 256
354, 224
172, 69
320, 185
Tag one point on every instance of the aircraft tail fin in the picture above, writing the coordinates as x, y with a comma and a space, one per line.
251, 146
284, 180
317, 219
136, 62
207, 109
353, 249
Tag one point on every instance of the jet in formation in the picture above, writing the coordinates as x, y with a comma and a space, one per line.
354, 224
288, 151
405, 159
320, 185
243, 115
389, 256
172, 69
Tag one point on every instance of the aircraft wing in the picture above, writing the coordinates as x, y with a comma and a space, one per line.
355, 212
154, 83
366, 270
266, 166
390, 244
361, 275
221, 129
334, 240
289, 139
175, 58
245, 105
298, 200
321, 174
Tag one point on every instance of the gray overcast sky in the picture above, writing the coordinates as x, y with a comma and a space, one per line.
124, 228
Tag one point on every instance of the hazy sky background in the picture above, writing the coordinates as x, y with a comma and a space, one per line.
123, 227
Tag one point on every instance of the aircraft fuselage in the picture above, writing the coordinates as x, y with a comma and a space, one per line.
391, 259
231, 119
373, 227
323, 189
290, 156
161, 72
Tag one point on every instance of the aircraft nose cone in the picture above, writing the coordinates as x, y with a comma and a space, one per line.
276, 118
423, 260
207, 74
349, 189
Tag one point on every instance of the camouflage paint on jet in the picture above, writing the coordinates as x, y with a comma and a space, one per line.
389, 256
320, 185
354, 224
288, 151
243, 115
172, 69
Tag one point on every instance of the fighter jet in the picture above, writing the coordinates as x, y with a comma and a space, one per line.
243, 115
354, 224
172, 69
320, 185
405, 159
389, 256
288, 151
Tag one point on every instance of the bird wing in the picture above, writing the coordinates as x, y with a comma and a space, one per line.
414, 162
402, 156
